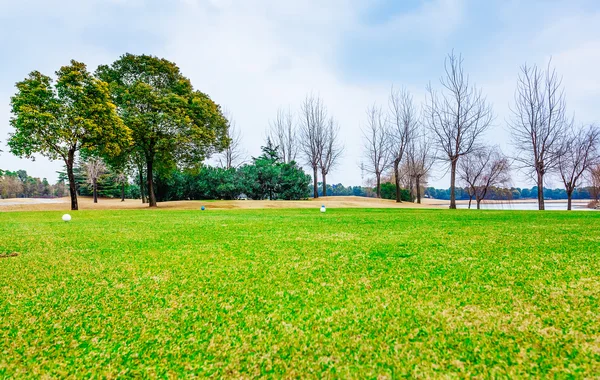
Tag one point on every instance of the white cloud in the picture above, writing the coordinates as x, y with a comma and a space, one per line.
433, 20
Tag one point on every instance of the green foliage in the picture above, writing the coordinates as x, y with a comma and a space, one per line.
173, 124
266, 178
296, 293
270, 178
341, 190
219, 183
56, 119
388, 191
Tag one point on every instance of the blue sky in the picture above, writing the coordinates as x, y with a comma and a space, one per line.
255, 56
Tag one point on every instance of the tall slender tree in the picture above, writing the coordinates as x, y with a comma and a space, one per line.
59, 119
420, 159
403, 124
595, 181
172, 123
331, 151
539, 123
282, 132
457, 117
313, 119
376, 145
580, 153
122, 180
233, 155
93, 169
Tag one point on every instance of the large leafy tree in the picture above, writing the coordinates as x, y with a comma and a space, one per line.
59, 119
173, 124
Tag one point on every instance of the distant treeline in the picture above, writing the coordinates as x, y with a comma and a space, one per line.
265, 177
18, 184
496, 193
388, 191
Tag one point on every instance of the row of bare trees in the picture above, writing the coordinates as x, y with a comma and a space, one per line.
314, 136
451, 126
546, 139
396, 141
402, 142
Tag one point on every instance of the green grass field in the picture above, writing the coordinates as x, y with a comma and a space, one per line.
295, 293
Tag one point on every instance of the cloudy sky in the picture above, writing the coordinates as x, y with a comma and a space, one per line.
255, 56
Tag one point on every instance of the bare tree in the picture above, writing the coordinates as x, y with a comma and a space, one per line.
233, 155
10, 187
580, 152
482, 169
283, 134
539, 123
469, 172
122, 179
403, 123
331, 150
313, 121
595, 181
457, 117
420, 160
94, 168
376, 145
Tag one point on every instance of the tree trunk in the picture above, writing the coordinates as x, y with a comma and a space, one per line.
540, 184
378, 189
151, 196
315, 183
470, 200
418, 188
396, 174
478, 204
324, 175
123, 192
142, 192
72, 184
95, 189
453, 183
569, 198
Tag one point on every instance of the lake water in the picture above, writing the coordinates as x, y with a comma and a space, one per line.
527, 206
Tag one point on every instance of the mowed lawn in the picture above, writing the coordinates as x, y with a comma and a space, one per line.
294, 293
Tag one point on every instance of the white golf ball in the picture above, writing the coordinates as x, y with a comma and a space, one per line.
66, 218
323, 208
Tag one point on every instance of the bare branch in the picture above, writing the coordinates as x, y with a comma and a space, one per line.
283, 134
234, 155
403, 122
539, 123
420, 159
376, 145
580, 153
482, 169
313, 122
456, 117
